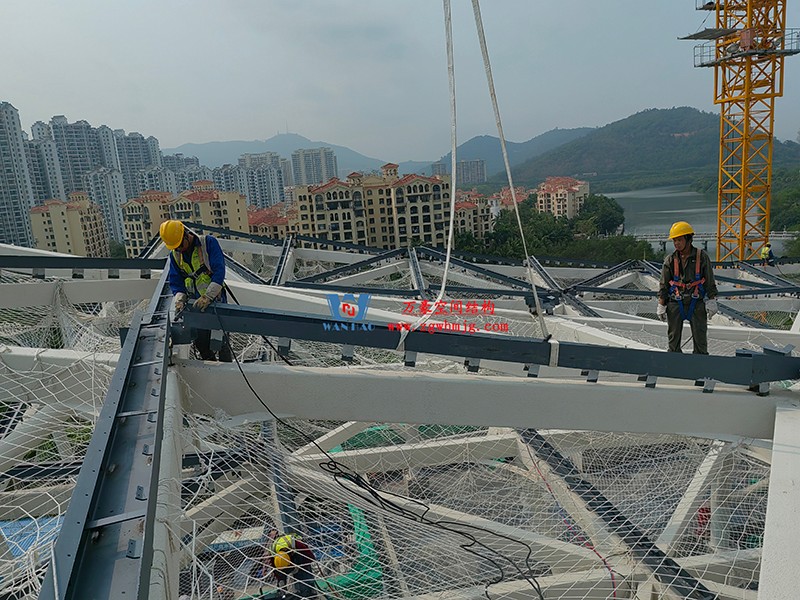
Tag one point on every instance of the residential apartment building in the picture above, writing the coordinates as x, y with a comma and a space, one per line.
143, 216
44, 169
187, 175
136, 153
561, 196
470, 172
82, 148
384, 211
262, 185
473, 214
277, 221
74, 227
79, 150
440, 168
16, 191
106, 188
313, 166
158, 179
177, 162
248, 160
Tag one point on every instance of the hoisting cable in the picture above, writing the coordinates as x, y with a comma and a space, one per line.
451, 80
476, 9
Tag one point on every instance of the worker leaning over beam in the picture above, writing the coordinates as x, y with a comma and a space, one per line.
687, 291
290, 556
196, 271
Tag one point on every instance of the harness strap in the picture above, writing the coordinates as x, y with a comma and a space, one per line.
695, 286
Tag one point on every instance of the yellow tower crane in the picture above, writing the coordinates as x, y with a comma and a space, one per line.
747, 50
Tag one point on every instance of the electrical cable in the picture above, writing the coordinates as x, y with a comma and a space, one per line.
375, 497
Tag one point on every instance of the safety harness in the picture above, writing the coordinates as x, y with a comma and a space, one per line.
679, 287
195, 281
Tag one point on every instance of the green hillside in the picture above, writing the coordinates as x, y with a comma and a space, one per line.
653, 147
487, 147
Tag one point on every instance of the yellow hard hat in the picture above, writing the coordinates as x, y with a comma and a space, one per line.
679, 229
172, 233
282, 560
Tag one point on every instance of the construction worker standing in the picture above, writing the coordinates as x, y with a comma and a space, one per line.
687, 291
196, 271
291, 556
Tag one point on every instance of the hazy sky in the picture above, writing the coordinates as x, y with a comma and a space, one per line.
368, 74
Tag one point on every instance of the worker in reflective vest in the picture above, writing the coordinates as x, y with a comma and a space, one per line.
196, 272
292, 556
687, 291
767, 257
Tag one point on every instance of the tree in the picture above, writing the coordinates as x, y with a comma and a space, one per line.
117, 250
606, 214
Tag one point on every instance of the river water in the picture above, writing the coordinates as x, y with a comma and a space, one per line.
654, 210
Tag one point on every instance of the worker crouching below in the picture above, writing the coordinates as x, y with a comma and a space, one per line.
687, 291
291, 557
196, 272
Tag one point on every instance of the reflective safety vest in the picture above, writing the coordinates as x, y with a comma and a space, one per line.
679, 287
285, 543
198, 272
764, 253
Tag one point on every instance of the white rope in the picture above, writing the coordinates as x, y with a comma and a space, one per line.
490, 80
451, 79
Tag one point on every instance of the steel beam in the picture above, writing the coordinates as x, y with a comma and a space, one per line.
285, 262
356, 266
665, 569
104, 549
488, 273
414, 397
778, 579
750, 370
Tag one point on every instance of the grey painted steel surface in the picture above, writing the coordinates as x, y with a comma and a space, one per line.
437, 255
286, 253
416, 275
8, 261
742, 318
569, 298
354, 267
104, 549
628, 265
762, 274
748, 369
261, 239
542, 272
666, 570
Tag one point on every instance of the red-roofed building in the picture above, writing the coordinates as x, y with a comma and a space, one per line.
473, 214
74, 227
561, 196
384, 211
143, 216
277, 221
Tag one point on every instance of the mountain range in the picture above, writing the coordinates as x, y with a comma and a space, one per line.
652, 147
215, 154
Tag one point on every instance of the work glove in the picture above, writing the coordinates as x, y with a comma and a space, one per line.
711, 307
661, 312
202, 302
180, 302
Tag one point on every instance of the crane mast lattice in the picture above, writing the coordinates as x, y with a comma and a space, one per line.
747, 49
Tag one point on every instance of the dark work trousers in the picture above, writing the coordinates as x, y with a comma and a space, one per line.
202, 343
698, 323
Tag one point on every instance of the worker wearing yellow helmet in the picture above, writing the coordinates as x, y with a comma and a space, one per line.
687, 290
291, 556
767, 257
196, 272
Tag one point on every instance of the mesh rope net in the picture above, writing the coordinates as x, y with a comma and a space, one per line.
435, 509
